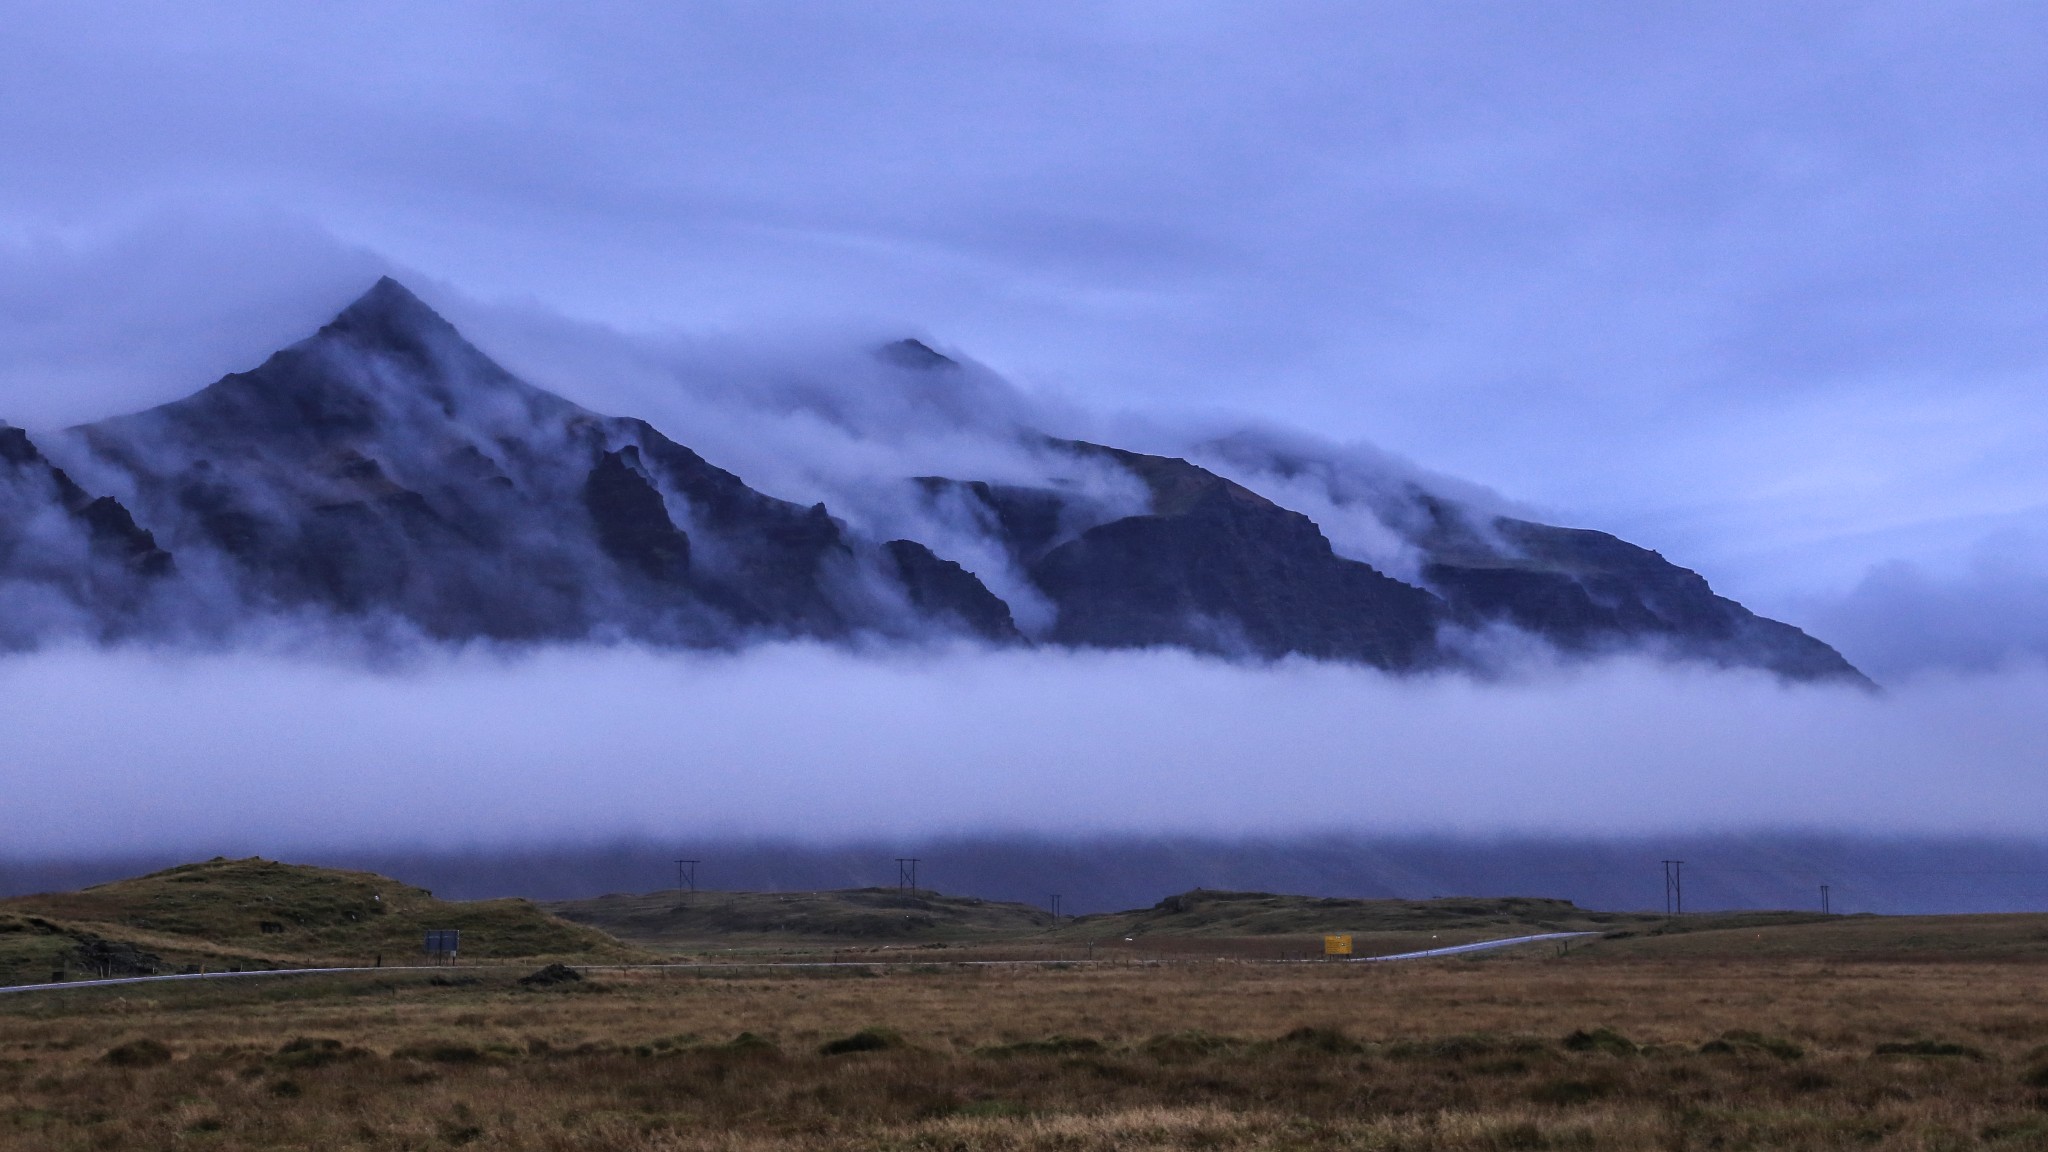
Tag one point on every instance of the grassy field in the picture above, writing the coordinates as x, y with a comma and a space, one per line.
1742, 1030
1612, 1047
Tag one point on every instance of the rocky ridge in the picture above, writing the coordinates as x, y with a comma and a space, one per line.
384, 472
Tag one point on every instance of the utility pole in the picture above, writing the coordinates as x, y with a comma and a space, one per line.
686, 874
906, 873
1055, 907
1674, 887
1824, 900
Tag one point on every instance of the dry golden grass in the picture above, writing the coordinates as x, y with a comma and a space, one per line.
1441, 1055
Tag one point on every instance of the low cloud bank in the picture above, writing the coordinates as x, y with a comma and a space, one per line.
134, 752
1987, 613
1864, 872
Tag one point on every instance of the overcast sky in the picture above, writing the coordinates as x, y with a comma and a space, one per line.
1759, 285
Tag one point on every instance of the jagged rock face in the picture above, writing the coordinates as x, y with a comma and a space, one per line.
1585, 590
32, 480
68, 559
1212, 566
386, 466
385, 470
942, 588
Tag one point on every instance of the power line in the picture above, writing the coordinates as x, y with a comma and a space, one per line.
1890, 875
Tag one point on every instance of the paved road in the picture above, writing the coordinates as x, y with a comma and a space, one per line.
688, 967
60, 986
1453, 950
1482, 946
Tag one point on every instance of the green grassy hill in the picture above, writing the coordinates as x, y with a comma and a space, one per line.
1204, 912
676, 919
262, 913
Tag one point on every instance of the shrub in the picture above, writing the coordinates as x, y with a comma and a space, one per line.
1600, 1040
1743, 1042
1465, 1047
1050, 1046
1928, 1048
1328, 1041
749, 1044
1567, 1093
138, 1054
1189, 1045
314, 1052
443, 1053
551, 976
865, 1040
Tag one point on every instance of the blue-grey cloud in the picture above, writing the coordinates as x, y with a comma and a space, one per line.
1905, 619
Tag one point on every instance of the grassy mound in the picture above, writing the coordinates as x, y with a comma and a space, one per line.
859, 914
273, 912
1204, 912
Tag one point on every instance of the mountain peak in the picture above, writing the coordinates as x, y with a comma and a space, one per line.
913, 353
389, 313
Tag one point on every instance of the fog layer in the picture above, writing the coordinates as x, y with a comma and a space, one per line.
111, 751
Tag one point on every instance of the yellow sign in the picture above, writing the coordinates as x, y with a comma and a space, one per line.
1336, 945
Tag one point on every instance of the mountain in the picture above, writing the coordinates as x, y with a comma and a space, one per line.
1585, 590
385, 475
69, 560
1211, 566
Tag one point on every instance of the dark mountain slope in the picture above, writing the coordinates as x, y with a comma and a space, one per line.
1211, 566
387, 466
1216, 567
69, 560
384, 473
33, 483
1585, 591
941, 587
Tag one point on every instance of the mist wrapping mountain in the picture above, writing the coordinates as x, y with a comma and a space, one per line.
387, 478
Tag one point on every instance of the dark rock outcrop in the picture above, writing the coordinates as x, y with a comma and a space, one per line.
942, 588
633, 524
70, 562
108, 524
1587, 591
1218, 568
